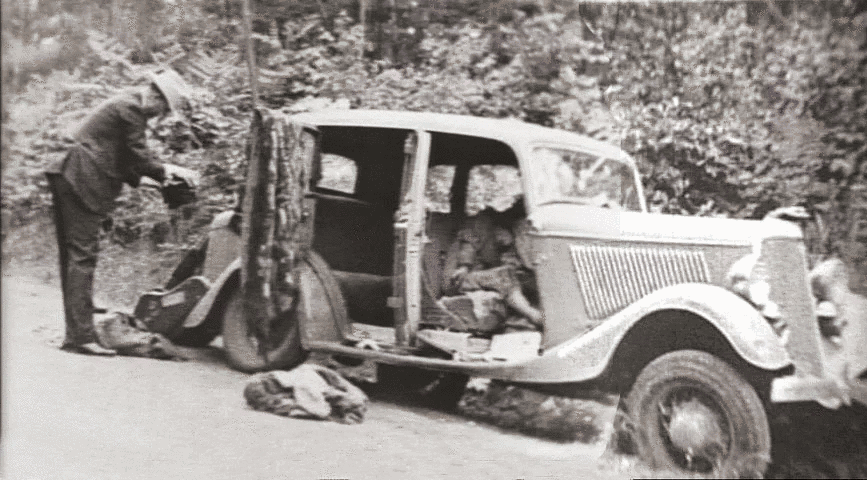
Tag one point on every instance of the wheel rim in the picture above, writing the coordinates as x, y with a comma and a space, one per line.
695, 429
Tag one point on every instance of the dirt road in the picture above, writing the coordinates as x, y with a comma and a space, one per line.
69, 416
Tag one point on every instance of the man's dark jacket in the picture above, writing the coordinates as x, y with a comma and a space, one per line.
110, 150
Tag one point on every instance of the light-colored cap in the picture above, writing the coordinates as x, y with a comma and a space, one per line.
173, 87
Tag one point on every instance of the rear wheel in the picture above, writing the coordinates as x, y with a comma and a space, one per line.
245, 352
318, 297
692, 412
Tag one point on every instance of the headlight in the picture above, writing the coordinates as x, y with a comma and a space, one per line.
771, 311
747, 278
738, 277
759, 293
826, 309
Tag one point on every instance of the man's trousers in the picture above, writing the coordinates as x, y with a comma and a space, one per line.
78, 245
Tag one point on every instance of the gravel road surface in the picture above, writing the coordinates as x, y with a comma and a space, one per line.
68, 416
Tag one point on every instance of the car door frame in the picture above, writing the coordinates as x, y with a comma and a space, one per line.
409, 241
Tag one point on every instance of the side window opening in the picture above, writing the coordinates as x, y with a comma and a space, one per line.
494, 186
468, 173
338, 173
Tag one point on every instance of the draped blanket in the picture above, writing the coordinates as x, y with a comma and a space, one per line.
308, 391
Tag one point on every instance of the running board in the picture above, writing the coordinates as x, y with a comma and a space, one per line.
363, 331
408, 359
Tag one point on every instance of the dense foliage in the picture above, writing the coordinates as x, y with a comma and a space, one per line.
731, 108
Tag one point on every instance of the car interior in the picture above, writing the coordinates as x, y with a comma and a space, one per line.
358, 196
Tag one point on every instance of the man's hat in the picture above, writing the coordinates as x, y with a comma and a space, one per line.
173, 87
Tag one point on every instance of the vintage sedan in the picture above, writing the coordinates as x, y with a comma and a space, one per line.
704, 324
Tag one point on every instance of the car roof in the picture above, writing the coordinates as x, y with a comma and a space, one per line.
509, 131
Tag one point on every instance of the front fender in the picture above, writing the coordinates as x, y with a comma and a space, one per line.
586, 357
745, 329
201, 310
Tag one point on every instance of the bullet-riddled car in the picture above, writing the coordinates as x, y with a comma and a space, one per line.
704, 323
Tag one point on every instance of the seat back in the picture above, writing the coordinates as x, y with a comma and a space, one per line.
440, 231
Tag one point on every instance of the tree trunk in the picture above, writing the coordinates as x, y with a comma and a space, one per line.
362, 16
116, 20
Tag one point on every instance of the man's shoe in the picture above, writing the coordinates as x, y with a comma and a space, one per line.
91, 348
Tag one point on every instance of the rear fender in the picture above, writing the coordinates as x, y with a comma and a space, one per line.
224, 245
203, 308
325, 315
748, 333
221, 262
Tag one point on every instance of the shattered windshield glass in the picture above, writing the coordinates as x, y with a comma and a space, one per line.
569, 176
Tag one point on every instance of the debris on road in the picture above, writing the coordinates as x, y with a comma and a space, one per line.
307, 391
512, 407
121, 332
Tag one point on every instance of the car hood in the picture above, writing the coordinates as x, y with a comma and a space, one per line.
605, 223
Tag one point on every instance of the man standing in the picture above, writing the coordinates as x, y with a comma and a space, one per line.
110, 149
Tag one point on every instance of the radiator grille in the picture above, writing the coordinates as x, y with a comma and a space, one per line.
613, 277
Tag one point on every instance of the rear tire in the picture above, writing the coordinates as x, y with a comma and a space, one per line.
283, 350
692, 412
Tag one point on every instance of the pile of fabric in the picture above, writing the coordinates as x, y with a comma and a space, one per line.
308, 391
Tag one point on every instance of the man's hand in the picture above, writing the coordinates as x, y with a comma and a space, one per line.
185, 174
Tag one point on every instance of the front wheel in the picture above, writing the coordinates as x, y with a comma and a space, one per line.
692, 412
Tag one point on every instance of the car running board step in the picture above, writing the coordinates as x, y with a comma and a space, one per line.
499, 369
380, 335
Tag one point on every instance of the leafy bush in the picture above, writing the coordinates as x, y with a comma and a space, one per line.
728, 113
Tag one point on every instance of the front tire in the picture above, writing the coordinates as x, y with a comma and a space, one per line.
692, 412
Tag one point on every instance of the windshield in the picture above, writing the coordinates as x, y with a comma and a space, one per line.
569, 176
